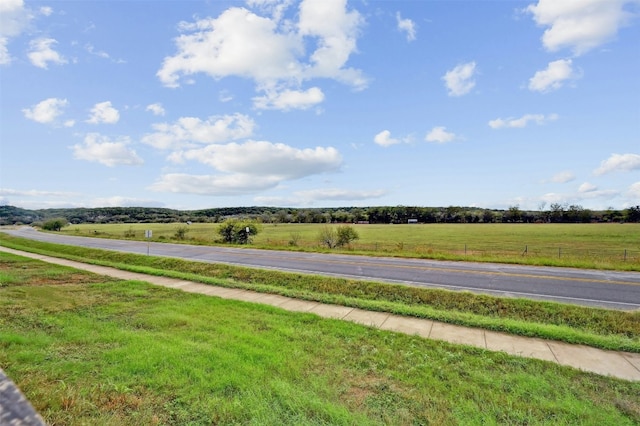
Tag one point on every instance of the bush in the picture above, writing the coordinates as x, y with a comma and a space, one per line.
181, 232
327, 237
339, 237
346, 234
55, 224
235, 231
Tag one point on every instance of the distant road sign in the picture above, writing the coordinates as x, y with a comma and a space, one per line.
148, 233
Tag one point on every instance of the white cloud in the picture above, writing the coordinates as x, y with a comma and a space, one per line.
104, 112
241, 43
634, 191
156, 109
266, 159
289, 99
384, 139
14, 19
587, 187
539, 119
101, 149
33, 193
439, 135
41, 53
406, 25
249, 167
553, 77
119, 201
338, 194
46, 111
220, 185
563, 177
618, 163
459, 81
188, 131
580, 25
45, 10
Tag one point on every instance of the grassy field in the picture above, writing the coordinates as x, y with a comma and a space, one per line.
602, 246
90, 350
607, 329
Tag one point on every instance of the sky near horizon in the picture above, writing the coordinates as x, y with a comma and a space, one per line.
320, 103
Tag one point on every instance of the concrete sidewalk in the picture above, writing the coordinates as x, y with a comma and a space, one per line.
622, 365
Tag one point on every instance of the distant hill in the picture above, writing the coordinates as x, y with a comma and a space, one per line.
10, 215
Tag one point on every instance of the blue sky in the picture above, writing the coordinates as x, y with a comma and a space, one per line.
320, 103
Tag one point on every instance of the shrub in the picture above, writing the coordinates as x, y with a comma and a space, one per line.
181, 232
55, 224
346, 234
327, 237
236, 231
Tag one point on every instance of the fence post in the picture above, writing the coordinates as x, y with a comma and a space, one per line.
559, 251
625, 255
526, 250
465, 249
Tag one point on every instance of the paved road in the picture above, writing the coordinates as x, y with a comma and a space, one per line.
615, 290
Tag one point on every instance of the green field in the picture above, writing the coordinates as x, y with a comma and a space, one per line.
90, 350
602, 328
602, 246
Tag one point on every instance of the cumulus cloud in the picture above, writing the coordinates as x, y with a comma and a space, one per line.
14, 19
459, 81
563, 177
500, 123
100, 149
104, 112
618, 163
553, 77
262, 158
634, 191
33, 193
46, 111
384, 139
241, 43
407, 26
579, 25
587, 187
41, 53
338, 194
217, 185
289, 99
119, 201
248, 167
439, 135
156, 109
188, 131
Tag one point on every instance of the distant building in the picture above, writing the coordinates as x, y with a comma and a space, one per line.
412, 221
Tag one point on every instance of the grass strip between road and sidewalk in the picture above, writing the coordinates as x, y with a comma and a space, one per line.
601, 328
90, 349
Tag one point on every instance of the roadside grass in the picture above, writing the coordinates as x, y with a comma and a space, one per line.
601, 328
129, 353
591, 245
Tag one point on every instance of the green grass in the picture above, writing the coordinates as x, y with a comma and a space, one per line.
602, 246
607, 329
91, 350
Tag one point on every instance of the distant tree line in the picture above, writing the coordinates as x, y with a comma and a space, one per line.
555, 213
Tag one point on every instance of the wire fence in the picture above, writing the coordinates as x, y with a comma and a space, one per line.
563, 253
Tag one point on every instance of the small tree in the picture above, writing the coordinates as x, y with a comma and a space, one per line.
55, 224
181, 232
327, 237
338, 237
346, 234
235, 231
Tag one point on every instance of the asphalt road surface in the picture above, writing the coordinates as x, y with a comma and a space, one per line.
608, 289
